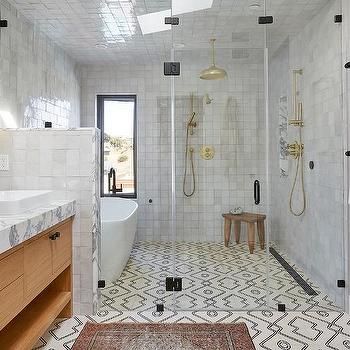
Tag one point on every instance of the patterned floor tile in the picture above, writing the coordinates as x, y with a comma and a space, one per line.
214, 277
216, 281
269, 330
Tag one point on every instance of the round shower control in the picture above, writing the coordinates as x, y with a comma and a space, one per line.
207, 152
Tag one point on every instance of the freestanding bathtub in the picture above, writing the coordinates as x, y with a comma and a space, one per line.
119, 220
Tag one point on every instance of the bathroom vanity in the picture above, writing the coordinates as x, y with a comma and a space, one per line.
35, 273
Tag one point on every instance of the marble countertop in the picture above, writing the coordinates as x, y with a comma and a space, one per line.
16, 229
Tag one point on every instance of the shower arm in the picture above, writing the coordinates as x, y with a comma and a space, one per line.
213, 51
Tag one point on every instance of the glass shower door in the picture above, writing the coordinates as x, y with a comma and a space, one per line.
142, 258
306, 158
219, 124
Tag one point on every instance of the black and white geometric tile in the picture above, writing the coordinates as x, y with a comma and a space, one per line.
214, 278
270, 330
216, 281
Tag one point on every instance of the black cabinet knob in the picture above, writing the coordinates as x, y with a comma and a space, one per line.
347, 153
54, 236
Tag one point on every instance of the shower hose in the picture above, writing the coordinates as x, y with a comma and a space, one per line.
189, 150
299, 168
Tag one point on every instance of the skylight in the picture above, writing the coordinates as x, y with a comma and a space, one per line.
155, 22
185, 6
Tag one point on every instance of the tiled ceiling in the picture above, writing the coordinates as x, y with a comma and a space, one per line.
107, 31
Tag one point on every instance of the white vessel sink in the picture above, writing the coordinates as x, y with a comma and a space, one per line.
16, 202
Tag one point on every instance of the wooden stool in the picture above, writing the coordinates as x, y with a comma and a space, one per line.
250, 219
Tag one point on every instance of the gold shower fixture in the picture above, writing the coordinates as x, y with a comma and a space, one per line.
296, 149
192, 124
297, 119
213, 72
189, 153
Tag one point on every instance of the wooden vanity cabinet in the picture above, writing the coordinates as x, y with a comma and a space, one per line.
35, 286
37, 266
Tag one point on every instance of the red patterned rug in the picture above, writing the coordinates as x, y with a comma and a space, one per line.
138, 336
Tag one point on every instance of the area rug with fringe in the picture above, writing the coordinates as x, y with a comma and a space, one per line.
154, 336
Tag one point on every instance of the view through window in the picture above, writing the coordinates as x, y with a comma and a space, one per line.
116, 119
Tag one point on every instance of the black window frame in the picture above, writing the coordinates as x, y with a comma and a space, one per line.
100, 124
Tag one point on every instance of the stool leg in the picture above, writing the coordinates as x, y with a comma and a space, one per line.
261, 233
237, 228
251, 236
227, 231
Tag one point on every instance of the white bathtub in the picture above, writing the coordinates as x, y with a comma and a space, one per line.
119, 220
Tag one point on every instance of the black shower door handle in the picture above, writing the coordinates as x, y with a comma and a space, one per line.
257, 192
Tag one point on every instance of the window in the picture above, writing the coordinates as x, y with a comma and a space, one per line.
116, 118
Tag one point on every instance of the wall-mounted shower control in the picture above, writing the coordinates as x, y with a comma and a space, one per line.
207, 152
295, 149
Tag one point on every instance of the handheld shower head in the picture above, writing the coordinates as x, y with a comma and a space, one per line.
192, 117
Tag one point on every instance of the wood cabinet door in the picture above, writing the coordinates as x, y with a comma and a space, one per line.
11, 301
37, 265
11, 267
62, 247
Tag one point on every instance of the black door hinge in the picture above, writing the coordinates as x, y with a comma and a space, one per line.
174, 21
341, 283
160, 307
173, 284
101, 284
281, 307
171, 68
3, 23
265, 20
338, 19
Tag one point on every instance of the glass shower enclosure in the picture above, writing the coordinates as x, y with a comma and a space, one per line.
241, 171
219, 116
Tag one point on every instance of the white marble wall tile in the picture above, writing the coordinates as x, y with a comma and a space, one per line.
230, 124
39, 81
57, 166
